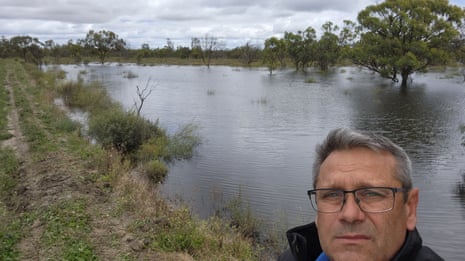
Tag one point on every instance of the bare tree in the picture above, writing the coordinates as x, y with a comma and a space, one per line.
249, 53
206, 46
143, 94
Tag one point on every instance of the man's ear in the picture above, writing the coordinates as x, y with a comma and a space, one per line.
411, 208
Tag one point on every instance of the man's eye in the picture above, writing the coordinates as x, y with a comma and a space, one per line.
371, 193
331, 195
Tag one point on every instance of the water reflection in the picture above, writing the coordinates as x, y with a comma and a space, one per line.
460, 190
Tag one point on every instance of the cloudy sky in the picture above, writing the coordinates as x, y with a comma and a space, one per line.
234, 22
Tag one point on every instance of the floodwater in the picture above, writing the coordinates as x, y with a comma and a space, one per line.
260, 131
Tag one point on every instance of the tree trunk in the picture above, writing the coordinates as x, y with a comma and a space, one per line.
404, 82
405, 76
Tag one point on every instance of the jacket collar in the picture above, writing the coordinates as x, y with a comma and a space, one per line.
304, 243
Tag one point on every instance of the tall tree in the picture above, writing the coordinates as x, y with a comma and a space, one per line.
300, 47
52, 49
327, 48
75, 50
103, 42
274, 53
249, 53
5, 48
401, 37
458, 46
348, 37
29, 48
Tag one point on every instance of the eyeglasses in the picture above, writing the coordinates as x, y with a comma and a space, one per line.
370, 199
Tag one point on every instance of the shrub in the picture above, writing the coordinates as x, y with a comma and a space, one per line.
155, 170
181, 145
178, 146
124, 131
90, 97
129, 75
310, 80
155, 148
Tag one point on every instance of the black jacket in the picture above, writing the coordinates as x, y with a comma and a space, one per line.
305, 246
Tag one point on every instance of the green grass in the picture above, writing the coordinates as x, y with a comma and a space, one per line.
11, 229
182, 235
212, 239
310, 80
11, 232
67, 224
42, 124
35, 134
4, 102
242, 217
8, 171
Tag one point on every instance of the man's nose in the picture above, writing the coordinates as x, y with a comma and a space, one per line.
351, 211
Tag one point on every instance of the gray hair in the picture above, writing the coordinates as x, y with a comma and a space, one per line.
343, 138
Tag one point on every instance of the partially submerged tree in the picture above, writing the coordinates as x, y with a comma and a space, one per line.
103, 42
458, 46
401, 37
75, 50
249, 53
300, 47
348, 37
143, 94
205, 46
327, 50
274, 53
52, 49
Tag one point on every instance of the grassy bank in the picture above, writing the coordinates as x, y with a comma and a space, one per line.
63, 198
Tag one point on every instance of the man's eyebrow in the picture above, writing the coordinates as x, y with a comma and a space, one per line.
357, 186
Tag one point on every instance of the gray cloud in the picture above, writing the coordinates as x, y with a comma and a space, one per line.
142, 21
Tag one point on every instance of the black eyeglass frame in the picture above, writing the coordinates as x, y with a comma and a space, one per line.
357, 200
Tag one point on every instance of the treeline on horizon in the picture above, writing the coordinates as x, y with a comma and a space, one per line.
394, 38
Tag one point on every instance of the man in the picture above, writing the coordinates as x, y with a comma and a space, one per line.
365, 203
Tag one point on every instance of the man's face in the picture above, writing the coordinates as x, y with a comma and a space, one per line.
352, 234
